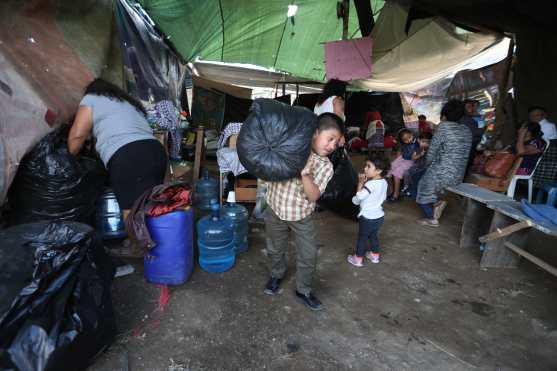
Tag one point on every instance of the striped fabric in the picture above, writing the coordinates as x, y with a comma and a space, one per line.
447, 158
288, 199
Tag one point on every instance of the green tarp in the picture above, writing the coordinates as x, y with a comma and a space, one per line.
254, 31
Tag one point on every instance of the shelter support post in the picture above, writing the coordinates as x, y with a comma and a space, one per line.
345, 10
500, 116
496, 254
475, 223
199, 152
365, 16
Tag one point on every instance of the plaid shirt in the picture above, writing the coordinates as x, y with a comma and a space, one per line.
546, 171
288, 199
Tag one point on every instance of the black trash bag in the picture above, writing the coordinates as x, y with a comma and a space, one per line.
275, 140
342, 186
53, 185
56, 310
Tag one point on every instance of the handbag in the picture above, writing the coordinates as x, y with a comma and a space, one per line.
499, 164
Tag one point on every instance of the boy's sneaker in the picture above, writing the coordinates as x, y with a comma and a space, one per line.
355, 261
310, 300
429, 222
273, 286
373, 257
438, 209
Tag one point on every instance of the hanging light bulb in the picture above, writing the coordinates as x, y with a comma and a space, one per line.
292, 9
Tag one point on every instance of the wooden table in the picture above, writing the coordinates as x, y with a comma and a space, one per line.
498, 222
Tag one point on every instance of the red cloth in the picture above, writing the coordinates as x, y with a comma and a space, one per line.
355, 144
424, 127
389, 141
169, 200
373, 116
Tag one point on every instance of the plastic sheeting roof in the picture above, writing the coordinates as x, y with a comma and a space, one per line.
254, 31
432, 49
258, 32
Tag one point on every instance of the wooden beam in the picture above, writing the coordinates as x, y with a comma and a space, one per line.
495, 254
199, 133
502, 232
345, 18
526, 255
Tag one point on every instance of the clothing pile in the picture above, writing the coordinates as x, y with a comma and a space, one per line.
159, 200
165, 115
227, 156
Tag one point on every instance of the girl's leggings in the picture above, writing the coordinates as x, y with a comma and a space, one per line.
367, 235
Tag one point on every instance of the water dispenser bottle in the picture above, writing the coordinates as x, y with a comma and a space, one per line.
239, 216
206, 189
215, 240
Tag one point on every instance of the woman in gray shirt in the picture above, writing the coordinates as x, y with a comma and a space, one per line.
136, 161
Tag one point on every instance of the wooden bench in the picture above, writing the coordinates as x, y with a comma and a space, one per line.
497, 222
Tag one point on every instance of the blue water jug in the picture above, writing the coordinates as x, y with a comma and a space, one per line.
215, 239
170, 262
239, 216
206, 189
108, 216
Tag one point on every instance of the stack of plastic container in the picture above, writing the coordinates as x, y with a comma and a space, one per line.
238, 214
206, 189
215, 240
170, 262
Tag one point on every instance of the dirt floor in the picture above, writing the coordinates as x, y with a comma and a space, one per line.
426, 306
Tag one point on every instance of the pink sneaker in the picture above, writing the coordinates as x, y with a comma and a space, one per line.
355, 261
373, 257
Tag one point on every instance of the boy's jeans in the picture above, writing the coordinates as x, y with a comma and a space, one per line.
277, 246
369, 228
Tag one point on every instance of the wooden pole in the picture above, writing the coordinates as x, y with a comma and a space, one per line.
500, 115
199, 133
346, 8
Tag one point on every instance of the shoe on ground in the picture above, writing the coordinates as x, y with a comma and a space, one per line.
429, 222
393, 199
438, 209
355, 260
310, 300
273, 286
373, 257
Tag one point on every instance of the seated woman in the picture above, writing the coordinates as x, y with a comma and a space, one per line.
530, 147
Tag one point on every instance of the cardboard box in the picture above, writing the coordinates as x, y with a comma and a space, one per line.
246, 190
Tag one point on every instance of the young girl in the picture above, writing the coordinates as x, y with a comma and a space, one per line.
403, 162
372, 192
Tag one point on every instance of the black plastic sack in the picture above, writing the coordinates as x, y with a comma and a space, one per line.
53, 185
275, 140
342, 186
55, 310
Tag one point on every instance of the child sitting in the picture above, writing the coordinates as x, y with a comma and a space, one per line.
291, 205
412, 176
372, 192
403, 162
